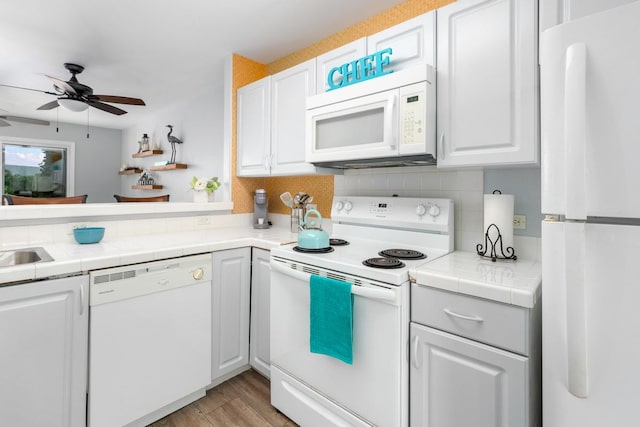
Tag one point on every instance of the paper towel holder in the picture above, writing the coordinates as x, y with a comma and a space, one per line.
492, 246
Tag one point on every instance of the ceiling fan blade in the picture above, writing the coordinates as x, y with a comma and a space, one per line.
119, 99
62, 85
106, 107
49, 105
26, 88
26, 120
4, 124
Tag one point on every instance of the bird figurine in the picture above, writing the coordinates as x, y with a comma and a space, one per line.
173, 141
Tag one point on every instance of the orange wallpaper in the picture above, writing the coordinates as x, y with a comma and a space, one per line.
246, 71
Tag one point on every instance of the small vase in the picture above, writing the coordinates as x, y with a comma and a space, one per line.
200, 196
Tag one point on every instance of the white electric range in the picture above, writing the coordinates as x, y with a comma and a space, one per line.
315, 389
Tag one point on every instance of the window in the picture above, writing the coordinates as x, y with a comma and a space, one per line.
34, 168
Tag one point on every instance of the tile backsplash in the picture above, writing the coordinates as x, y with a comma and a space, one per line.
465, 187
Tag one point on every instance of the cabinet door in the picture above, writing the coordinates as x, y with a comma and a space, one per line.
487, 83
43, 361
459, 382
347, 53
289, 91
230, 311
260, 297
412, 42
253, 128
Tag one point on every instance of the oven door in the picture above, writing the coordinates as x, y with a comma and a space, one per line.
326, 391
360, 128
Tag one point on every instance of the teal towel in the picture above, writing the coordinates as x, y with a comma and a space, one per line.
331, 318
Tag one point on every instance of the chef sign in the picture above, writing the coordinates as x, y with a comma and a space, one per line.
365, 68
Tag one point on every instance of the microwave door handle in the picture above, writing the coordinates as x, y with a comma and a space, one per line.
380, 294
390, 120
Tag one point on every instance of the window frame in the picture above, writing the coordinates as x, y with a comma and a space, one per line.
45, 143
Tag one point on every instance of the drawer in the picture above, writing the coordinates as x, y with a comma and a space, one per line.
500, 325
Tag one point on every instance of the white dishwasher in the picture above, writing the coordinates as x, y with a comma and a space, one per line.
150, 339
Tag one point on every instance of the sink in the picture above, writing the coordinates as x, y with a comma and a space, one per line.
15, 257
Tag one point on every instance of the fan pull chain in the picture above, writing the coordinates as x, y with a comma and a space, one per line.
88, 123
57, 120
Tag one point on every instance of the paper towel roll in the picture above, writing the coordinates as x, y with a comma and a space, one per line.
498, 210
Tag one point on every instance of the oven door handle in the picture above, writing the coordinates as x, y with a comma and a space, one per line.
381, 294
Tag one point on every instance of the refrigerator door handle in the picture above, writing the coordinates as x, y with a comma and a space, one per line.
575, 131
578, 375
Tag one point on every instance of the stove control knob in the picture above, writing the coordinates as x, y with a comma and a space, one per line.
434, 210
339, 205
348, 206
421, 210
198, 273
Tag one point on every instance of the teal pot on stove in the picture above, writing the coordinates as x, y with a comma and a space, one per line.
312, 236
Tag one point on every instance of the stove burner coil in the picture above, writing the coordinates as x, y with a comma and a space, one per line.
313, 251
338, 242
383, 262
402, 254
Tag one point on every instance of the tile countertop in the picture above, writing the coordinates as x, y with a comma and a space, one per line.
73, 258
511, 282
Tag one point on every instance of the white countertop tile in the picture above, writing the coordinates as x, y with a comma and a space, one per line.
72, 258
511, 282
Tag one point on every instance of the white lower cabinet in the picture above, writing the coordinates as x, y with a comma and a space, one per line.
459, 382
230, 295
260, 296
43, 353
473, 362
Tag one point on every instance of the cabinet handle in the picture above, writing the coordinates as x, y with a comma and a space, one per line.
267, 162
441, 150
462, 316
416, 346
81, 300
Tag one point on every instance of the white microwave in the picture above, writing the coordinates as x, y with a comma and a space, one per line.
386, 121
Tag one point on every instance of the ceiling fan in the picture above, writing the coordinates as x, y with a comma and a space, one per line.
76, 96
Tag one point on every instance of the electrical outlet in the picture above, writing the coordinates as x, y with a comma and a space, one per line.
519, 222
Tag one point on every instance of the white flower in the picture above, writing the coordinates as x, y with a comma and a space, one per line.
208, 185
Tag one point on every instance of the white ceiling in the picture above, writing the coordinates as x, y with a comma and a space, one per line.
159, 50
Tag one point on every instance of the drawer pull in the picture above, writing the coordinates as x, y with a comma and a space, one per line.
462, 316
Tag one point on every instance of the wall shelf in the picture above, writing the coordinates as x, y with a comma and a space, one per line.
170, 166
147, 187
146, 153
130, 172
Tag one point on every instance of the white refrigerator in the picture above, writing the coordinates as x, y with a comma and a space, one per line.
590, 117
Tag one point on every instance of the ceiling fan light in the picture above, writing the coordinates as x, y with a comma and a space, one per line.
72, 105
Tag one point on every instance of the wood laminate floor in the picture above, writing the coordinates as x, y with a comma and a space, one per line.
242, 401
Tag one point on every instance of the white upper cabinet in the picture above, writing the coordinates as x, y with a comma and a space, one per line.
487, 83
289, 91
335, 58
412, 42
270, 123
254, 128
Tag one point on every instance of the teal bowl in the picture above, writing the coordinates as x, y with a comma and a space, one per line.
88, 235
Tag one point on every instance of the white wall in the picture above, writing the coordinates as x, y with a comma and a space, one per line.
97, 158
198, 122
